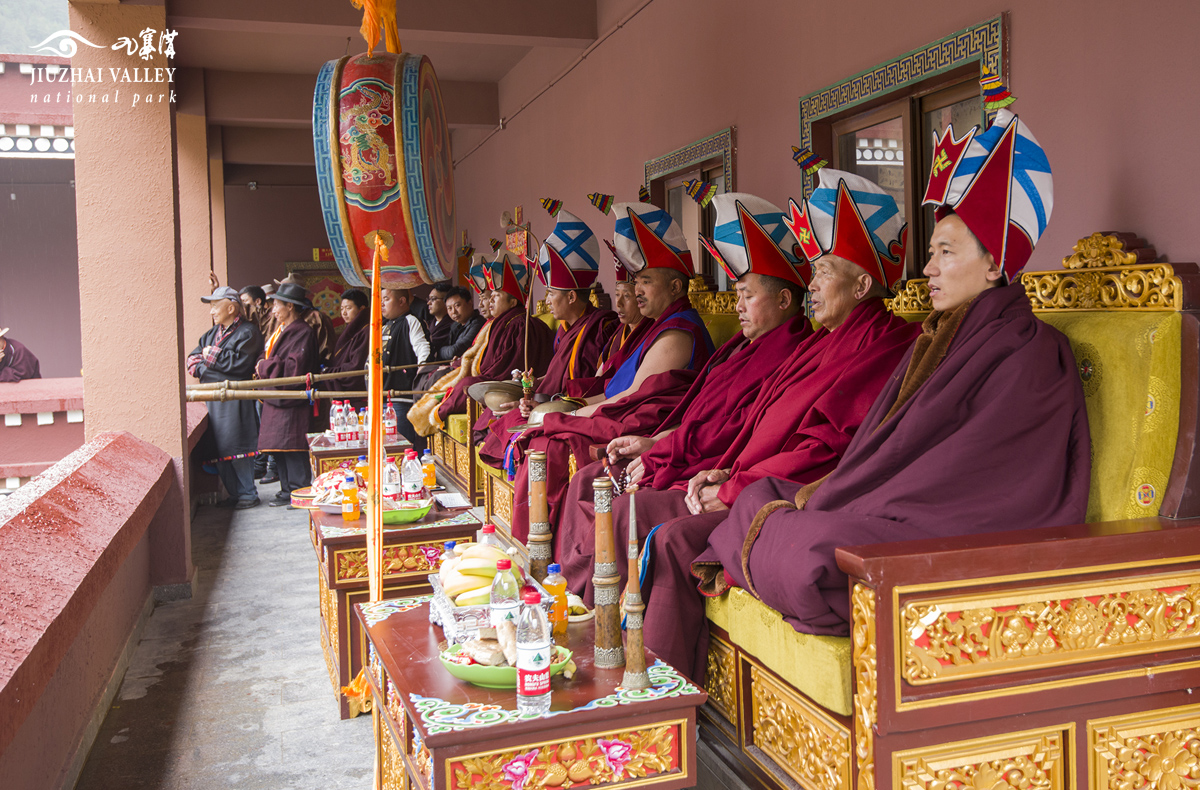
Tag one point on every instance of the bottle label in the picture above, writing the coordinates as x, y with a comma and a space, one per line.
533, 668
391, 491
499, 612
411, 492
347, 506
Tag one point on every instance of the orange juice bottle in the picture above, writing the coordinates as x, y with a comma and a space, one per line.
351, 509
430, 470
360, 470
556, 585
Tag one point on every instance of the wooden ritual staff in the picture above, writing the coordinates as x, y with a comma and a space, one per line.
608, 652
636, 676
539, 517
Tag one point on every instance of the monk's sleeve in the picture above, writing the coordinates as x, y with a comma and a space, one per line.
810, 460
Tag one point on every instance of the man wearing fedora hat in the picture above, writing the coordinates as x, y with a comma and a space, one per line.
227, 352
16, 361
321, 323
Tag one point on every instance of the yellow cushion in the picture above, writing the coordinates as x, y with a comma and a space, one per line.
548, 320
1129, 367
458, 428
819, 666
721, 327
489, 470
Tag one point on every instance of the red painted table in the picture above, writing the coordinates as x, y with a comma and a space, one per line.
435, 731
410, 554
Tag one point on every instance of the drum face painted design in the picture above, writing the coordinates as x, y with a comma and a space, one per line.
382, 150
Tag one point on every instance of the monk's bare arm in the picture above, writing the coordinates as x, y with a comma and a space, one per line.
672, 350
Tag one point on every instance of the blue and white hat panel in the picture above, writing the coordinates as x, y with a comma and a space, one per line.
658, 220
727, 232
574, 241
879, 211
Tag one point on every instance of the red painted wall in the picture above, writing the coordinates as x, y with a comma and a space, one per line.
1105, 86
39, 262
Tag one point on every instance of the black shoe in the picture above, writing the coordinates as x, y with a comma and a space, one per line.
231, 502
246, 504
269, 477
279, 503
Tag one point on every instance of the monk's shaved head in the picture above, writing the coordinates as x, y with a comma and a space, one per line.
764, 303
838, 286
657, 289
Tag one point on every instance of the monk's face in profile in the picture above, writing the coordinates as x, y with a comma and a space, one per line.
625, 304
836, 289
656, 290
564, 305
394, 303
959, 269
759, 310
502, 302
350, 310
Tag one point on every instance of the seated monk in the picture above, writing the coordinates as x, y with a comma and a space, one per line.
568, 264
350, 350
982, 428
509, 281
651, 378
770, 292
631, 328
803, 420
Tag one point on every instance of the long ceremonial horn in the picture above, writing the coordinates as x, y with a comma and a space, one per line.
204, 396
256, 383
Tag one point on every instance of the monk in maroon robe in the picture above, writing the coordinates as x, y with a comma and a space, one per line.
350, 351
17, 362
632, 328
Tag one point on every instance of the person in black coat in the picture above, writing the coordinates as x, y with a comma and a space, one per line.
291, 351
227, 352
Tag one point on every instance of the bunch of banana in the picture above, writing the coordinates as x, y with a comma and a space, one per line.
467, 576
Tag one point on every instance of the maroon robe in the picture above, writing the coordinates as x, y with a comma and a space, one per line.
995, 438
505, 353
285, 421
800, 425
577, 351
350, 353
709, 415
17, 362
622, 344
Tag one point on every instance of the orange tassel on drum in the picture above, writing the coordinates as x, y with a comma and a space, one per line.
377, 13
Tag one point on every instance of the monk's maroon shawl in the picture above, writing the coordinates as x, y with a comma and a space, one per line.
505, 353
713, 412
623, 343
18, 363
803, 421
995, 439
285, 421
350, 353
577, 351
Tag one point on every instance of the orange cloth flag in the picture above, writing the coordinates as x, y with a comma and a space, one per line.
377, 13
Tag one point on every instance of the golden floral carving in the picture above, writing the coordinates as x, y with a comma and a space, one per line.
912, 299
721, 679
1038, 627
714, 303
865, 682
572, 465
394, 776
502, 499
811, 748
462, 459
410, 558
603, 759
1099, 251
1154, 750
1020, 761
1153, 286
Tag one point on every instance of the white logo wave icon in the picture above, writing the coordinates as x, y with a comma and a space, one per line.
66, 44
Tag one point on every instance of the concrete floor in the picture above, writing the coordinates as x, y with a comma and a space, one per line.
229, 689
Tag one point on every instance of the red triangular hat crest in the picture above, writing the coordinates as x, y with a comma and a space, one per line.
762, 252
658, 253
984, 206
718, 257
852, 240
947, 152
623, 275
562, 276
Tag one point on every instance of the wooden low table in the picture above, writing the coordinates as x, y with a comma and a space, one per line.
435, 731
410, 553
323, 455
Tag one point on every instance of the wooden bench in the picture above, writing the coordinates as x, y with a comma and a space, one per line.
1042, 659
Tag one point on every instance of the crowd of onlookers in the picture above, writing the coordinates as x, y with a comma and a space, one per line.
274, 331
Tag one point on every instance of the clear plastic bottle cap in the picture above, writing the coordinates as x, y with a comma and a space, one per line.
503, 565
530, 596
554, 567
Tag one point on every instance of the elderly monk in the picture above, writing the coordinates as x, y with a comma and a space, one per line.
981, 428
770, 290
804, 418
509, 281
632, 327
16, 362
227, 352
653, 376
568, 264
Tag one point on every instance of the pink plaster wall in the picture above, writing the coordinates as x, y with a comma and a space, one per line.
276, 223
39, 264
1105, 86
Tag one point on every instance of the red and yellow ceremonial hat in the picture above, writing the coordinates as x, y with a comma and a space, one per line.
647, 237
853, 218
998, 182
750, 237
510, 274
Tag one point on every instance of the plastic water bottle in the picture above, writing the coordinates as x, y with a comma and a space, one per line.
488, 536
430, 471
556, 585
393, 485
389, 424
411, 476
338, 418
363, 422
335, 408
534, 653
448, 552
351, 509
504, 601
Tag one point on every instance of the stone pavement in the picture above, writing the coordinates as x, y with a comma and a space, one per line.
229, 689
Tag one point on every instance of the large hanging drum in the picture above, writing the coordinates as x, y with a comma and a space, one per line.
382, 150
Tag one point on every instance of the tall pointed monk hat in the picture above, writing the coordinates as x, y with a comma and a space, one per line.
998, 182
853, 218
510, 274
623, 275
750, 237
477, 274
647, 237
570, 256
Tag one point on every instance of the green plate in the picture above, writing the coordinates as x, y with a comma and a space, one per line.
408, 515
496, 677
